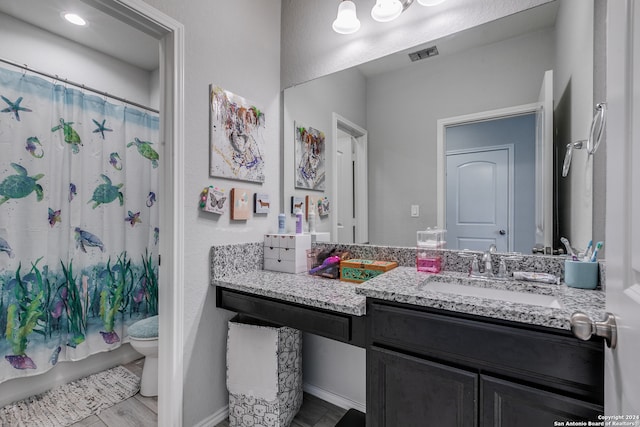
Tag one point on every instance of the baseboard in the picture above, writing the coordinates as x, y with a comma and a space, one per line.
336, 399
215, 418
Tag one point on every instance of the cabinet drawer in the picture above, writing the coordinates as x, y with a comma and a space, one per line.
551, 359
316, 321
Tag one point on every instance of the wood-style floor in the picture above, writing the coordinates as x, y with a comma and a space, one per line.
313, 413
139, 411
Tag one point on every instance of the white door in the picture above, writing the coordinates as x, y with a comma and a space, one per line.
345, 205
622, 367
477, 185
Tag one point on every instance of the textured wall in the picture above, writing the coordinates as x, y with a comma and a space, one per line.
574, 109
235, 45
402, 113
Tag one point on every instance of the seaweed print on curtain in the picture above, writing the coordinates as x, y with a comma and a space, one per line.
78, 223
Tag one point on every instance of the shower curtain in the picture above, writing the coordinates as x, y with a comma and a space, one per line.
78, 223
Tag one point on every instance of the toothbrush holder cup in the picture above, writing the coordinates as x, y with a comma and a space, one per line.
579, 274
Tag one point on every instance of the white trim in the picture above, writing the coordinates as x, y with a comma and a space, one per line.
361, 178
336, 399
458, 120
215, 418
170, 33
510, 181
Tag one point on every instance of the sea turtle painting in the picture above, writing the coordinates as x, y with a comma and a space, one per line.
4, 247
145, 149
20, 185
84, 239
106, 193
71, 137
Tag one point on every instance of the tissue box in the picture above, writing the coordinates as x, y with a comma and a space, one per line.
286, 253
360, 270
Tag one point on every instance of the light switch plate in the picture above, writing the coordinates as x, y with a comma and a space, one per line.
415, 210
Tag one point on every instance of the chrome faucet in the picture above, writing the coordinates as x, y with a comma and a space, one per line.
487, 260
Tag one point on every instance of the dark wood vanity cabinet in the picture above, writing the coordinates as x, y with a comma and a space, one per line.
428, 367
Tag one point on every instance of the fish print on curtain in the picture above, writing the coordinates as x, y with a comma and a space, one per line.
78, 223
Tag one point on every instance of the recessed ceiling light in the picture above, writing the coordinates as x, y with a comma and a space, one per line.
74, 18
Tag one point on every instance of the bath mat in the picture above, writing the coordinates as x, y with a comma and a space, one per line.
69, 403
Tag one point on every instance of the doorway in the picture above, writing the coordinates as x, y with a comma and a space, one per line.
518, 126
349, 182
479, 198
170, 36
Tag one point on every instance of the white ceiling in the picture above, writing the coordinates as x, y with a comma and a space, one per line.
104, 33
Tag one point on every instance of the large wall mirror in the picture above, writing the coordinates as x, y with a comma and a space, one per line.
398, 104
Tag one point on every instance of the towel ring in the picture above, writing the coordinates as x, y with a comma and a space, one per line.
591, 144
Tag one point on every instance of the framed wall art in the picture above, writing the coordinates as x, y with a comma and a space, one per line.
240, 203
261, 203
236, 137
309, 157
297, 203
323, 206
214, 200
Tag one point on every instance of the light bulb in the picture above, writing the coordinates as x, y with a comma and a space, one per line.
346, 22
386, 10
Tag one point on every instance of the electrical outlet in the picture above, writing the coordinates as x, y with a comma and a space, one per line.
415, 210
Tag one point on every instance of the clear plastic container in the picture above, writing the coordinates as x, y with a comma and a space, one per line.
432, 238
426, 260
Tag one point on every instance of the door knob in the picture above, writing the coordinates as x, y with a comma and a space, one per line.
502, 232
584, 328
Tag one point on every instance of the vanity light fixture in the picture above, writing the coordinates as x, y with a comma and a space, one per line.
74, 18
383, 11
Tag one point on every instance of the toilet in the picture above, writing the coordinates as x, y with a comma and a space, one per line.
143, 336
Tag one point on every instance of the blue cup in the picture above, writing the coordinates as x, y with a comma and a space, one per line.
579, 274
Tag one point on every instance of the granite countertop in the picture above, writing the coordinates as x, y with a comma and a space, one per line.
407, 285
320, 292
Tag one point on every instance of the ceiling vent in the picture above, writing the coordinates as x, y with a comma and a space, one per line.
424, 53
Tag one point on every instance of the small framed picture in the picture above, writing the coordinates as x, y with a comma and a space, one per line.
297, 203
214, 200
261, 203
323, 206
309, 202
240, 206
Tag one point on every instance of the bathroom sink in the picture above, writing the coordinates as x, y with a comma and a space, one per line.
465, 287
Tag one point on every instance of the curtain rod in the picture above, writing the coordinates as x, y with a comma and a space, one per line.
81, 86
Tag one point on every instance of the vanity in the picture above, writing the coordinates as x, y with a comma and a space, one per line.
487, 357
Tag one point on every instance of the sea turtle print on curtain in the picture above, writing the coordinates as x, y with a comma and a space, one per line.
78, 223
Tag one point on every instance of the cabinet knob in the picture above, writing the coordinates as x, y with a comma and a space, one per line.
502, 232
584, 328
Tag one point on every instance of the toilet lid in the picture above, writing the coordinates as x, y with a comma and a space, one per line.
145, 328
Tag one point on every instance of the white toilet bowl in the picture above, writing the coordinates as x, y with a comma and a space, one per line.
143, 337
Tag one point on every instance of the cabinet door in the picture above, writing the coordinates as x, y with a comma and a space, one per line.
507, 404
407, 391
